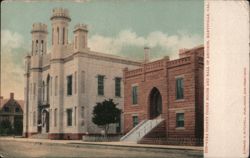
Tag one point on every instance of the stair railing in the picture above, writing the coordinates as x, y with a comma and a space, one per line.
134, 129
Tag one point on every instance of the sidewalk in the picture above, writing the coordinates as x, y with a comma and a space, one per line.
120, 145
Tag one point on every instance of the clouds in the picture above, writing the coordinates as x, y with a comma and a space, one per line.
126, 43
161, 44
13, 49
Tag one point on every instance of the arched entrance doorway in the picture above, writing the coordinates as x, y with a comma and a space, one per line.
155, 103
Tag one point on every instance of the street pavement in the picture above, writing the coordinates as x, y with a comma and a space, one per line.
23, 147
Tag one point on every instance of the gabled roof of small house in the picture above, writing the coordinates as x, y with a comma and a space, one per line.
11, 100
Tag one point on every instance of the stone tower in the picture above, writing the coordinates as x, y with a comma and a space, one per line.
39, 48
80, 37
39, 44
60, 21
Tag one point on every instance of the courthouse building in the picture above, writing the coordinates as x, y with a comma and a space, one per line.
62, 86
164, 98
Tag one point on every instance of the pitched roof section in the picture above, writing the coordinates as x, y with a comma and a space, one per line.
3, 102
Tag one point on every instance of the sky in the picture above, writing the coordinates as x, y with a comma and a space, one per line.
120, 27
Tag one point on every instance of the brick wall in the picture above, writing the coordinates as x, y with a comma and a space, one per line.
162, 75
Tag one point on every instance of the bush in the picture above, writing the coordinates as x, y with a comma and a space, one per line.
18, 127
5, 127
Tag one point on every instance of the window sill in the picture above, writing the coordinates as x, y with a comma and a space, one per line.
179, 100
134, 104
180, 128
100, 95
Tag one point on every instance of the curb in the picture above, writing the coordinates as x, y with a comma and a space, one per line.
166, 149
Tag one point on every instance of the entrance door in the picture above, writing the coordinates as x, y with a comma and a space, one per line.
45, 121
155, 101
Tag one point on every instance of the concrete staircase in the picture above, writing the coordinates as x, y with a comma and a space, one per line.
156, 135
40, 136
141, 130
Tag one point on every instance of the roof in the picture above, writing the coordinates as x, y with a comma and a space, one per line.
4, 101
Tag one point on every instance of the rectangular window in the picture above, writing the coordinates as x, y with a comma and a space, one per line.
83, 81
100, 83
118, 86
179, 88
69, 117
75, 82
55, 117
69, 85
179, 119
134, 94
118, 126
56, 85
135, 121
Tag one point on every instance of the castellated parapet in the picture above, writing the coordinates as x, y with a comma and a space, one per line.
82, 27
39, 27
60, 13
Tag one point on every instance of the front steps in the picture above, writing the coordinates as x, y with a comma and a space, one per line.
141, 130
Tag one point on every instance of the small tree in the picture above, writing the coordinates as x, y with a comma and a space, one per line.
106, 113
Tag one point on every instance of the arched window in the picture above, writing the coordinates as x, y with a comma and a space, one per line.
43, 90
63, 35
47, 90
42, 46
36, 46
52, 36
32, 47
57, 35
66, 36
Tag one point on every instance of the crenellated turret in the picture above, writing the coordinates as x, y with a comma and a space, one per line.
39, 39
80, 37
39, 44
60, 19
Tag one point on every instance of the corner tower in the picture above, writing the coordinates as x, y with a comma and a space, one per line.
60, 21
39, 43
80, 37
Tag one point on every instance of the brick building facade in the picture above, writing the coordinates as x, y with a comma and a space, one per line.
170, 89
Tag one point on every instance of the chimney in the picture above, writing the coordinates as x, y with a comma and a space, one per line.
11, 95
146, 54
